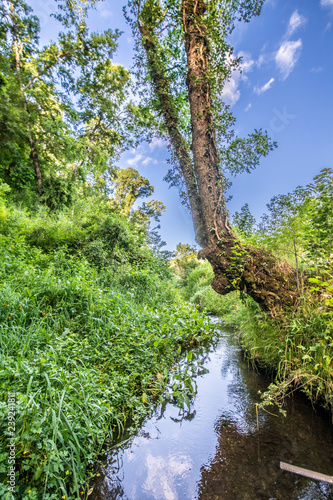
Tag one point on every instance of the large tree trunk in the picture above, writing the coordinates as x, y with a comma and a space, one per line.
164, 94
256, 272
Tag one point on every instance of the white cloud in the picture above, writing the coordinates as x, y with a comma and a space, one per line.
264, 88
287, 57
231, 92
148, 160
296, 21
326, 3
318, 69
135, 160
163, 474
248, 107
262, 60
140, 158
247, 63
103, 11
157, 142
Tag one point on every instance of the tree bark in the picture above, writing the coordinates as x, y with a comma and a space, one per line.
256, 272
162, 90
273, 285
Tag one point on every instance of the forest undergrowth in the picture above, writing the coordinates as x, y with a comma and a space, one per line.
91, 326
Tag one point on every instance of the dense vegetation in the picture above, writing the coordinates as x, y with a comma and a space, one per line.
90, 328
90, 322
296, 346
183, 61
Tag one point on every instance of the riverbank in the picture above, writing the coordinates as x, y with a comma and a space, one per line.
84, 347
295, 348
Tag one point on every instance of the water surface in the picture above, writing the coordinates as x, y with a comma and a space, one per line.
214, 450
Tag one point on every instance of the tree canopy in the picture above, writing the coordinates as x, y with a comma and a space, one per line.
65, 111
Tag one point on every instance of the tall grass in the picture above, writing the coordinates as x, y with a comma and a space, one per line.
81, 345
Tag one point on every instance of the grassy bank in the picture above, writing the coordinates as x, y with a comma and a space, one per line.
294, 348
90, 327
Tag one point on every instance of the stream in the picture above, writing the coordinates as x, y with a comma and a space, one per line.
214, 450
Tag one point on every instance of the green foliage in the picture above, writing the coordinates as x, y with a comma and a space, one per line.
295, 349
319, 230
244, 220
243, 155
297, 228
90, 328
130, 186
298, 347
199, 277
195, 286
185, 259
162, 21
65, 112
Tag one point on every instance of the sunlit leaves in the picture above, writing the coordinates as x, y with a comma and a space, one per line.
243, 155
68, 98
244, 220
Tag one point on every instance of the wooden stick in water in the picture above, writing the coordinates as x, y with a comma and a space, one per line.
307, 473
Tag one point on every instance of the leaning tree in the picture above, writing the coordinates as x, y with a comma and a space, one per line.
183, 62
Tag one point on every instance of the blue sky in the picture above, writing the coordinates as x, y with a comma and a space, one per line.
285, 87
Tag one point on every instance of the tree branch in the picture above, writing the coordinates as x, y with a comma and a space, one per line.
163, 92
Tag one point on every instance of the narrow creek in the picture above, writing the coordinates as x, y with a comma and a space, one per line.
214, 450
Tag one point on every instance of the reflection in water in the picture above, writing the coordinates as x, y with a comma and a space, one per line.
214, 450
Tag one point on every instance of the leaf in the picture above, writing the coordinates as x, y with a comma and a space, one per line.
38, 472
